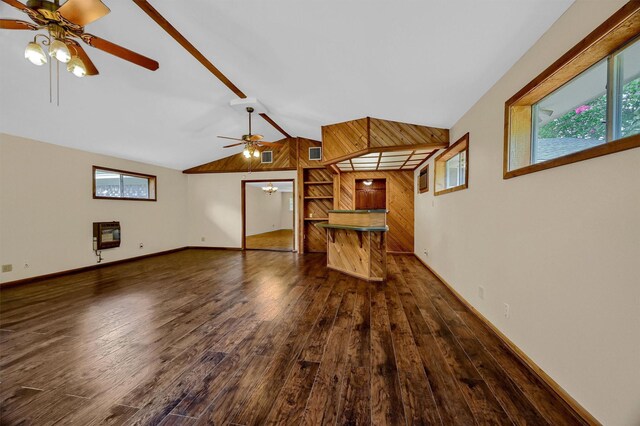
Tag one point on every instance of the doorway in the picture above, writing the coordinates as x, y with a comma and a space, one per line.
268, 215
370, 194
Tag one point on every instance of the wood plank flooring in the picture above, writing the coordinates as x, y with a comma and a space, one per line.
249, 338
282, 239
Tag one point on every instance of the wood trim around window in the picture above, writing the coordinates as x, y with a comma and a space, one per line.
461, 145
151, 179
610, 37
425, 171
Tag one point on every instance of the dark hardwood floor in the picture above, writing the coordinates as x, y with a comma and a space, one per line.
226, 337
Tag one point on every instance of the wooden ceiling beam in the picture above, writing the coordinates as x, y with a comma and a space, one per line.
189, 47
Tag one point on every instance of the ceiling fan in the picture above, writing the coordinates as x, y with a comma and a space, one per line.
65, 25
251, 142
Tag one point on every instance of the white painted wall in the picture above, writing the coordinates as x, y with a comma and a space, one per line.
266, 213
560, 246
215, 207
47, 209
286, 216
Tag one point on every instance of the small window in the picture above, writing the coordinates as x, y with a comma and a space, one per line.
267, 156
315, 153
291, 203
121, 185
452, 167
423, 180
583, 106
573, 118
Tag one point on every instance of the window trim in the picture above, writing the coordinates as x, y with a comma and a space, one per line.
440, 162
424, 170
262, 157
612, 36
152, 182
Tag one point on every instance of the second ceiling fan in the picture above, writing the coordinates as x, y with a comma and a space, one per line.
251, 142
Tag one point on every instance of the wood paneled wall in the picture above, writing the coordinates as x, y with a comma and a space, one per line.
284, 158
354, 138
400, 188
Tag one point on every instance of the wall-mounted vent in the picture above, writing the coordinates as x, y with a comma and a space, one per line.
315, 153
267, 157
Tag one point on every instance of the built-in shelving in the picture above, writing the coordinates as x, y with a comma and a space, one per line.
316, 196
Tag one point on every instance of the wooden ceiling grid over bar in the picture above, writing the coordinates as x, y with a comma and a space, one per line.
368, 144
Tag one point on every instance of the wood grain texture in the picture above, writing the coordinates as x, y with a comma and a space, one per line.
284, 158
316, 188
282, 239
400, 199
228, 337
350, 139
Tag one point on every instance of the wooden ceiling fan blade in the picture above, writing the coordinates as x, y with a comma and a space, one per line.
75, 48
233, 139
120, 51
13, 24
17, 5
255, 138
83, 12
235, 144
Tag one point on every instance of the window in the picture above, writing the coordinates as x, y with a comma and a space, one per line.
585, 105
423, 180
315, 153
267, 157
291, 203
121, 185
452, 167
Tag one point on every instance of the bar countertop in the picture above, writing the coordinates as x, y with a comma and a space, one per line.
353, 228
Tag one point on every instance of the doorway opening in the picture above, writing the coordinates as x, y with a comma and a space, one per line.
268, 215
370, 194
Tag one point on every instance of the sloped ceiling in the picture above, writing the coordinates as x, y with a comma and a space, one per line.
311, 63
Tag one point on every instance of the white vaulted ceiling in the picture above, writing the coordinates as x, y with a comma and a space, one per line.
310, 63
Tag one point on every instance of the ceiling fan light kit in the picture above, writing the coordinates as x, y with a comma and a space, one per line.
64, 24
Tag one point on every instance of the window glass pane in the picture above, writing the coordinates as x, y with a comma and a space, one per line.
135, 187
573, 118
629, 59
107, 184
453, 171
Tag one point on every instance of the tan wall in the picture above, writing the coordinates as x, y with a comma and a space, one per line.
399, 203
215, 206
560, 246
47, 209
266, 213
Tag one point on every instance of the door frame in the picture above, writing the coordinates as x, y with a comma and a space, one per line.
244, 212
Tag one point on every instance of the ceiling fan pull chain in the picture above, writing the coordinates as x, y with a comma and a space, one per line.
50, 84
57, 83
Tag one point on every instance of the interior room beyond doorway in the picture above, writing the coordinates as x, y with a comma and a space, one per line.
269, 212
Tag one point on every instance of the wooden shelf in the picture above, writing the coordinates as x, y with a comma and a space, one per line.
320, 197
319, 182
316, 218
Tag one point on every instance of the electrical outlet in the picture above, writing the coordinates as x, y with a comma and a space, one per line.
141, 245
481, 292
26, 265
426, 252
7, 268
507, 310
202, 239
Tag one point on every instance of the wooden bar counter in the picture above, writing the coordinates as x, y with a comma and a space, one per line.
357, 243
